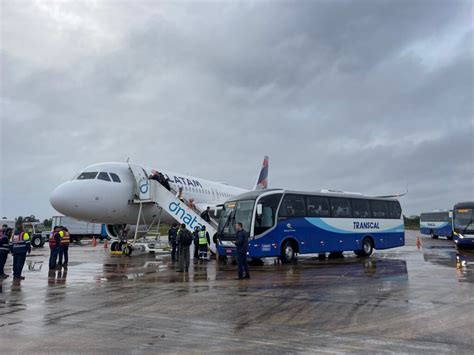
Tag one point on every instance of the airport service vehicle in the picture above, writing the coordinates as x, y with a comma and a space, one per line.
463, 224
122, 194
77, 229
9, 222
437, 224
284, 223
38, 233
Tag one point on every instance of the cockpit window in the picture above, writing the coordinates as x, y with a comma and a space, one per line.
115, 177
103, 176
87, 175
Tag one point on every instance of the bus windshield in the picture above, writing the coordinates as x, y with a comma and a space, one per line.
236, 211
464, 220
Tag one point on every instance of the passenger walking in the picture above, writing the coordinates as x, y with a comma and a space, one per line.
172, 234
4, 249
242, 244
180, 195
196, 242
184, 240
64, 247
206, 215
164, 181
204, 241
20, 246
54, 245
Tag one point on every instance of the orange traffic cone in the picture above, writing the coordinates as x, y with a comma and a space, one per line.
418, 243
94, 242
105, 243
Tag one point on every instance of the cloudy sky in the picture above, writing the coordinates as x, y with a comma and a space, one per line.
370, 96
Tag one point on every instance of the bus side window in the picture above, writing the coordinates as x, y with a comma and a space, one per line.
395, 209
379, 209
318, 206
292, 206
269, 208
340, 207
360, 208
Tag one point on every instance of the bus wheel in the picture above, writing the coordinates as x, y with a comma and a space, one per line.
432, 235
450, 237
287, 252
367, 248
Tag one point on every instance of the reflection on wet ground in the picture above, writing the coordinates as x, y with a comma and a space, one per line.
405, 299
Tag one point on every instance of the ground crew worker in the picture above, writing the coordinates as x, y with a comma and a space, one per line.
4, 249
196, 242
204, 241
172, 234
184, 240
242, 244
64, 247
20, 245
54, 245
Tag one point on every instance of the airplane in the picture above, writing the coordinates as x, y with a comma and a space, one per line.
103, 193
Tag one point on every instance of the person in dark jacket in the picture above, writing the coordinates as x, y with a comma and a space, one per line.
206, 215
20, 246
196, 242
164, 181
242, 244
172, 234
184, 239
4, 249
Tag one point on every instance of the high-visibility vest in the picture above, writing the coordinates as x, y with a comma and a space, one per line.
65, 239
52, 239
20, 242
202, 238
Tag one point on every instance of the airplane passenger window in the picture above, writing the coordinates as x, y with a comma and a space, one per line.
87, 176
103, 176
115, 177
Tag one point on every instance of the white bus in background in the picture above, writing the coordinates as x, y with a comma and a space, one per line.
78, 229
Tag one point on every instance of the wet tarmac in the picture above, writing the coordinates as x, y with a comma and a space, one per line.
399, 300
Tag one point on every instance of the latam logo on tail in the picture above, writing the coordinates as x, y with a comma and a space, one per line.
262, 181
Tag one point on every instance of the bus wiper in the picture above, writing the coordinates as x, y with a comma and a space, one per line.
467, 226
227, 221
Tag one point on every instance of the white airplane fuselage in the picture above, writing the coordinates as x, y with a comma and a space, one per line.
109, 202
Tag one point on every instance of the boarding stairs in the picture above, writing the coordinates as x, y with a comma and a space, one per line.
151, 192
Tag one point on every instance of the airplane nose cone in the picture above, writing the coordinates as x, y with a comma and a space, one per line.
60, 199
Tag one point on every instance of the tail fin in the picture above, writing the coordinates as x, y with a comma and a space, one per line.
262, 181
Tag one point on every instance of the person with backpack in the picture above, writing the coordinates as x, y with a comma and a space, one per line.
184, 240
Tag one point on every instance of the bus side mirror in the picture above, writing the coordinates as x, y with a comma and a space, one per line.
259, 209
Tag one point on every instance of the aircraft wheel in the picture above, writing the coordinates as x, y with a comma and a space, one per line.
115, 246
127, 249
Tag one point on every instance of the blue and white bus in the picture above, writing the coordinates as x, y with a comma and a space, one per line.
437, 224
463, 224
284, 223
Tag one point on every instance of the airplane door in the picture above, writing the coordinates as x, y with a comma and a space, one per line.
142, 184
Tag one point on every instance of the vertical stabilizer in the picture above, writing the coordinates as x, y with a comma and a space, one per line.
262, 181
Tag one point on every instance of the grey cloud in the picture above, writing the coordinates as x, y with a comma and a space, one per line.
330, 90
